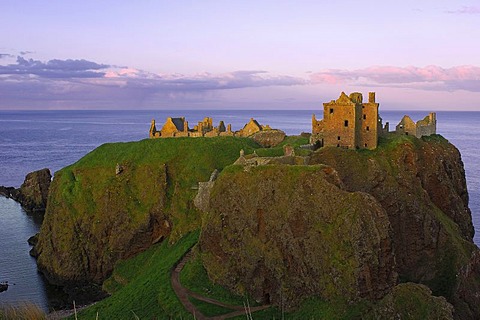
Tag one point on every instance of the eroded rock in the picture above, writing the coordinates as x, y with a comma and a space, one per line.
283, 233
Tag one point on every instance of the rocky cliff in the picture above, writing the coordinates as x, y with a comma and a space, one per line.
277, 232
421, 185
285, 233
33, 193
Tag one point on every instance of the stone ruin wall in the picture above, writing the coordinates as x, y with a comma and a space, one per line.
425, 127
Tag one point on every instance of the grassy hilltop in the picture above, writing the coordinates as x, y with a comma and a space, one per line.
322, 240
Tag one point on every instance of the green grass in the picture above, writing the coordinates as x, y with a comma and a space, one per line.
146, 291
294, 141
194, 277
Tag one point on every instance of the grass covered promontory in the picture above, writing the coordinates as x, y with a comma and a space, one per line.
325, 238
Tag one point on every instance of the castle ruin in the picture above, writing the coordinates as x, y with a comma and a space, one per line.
350, 123
178, 127
424, 127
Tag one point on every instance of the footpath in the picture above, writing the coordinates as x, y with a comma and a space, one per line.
183, 295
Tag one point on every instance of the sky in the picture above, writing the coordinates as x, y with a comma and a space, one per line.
417, 55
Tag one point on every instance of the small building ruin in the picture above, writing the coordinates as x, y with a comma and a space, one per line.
178, 127
424, 127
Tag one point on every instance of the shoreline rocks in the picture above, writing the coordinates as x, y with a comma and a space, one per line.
33, 193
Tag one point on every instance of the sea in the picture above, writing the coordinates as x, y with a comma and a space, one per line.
32, 140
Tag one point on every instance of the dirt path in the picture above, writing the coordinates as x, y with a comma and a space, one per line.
183, 294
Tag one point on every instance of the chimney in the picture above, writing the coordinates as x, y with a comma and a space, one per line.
371, 97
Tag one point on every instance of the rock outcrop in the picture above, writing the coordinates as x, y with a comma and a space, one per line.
84, 233
411, 301
421, 185
284, 233
33, 193
269, 138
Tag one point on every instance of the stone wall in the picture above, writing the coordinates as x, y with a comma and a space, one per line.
424, 127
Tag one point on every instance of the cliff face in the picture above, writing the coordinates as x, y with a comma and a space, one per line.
414, 188
422, 188
284, 233
95, 218
120, 199
33, 193
421, 185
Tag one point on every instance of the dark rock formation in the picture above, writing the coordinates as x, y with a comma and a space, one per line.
101, 227
411, 301
33, 193
252, 235
3, 286
269, 138
285, 233
9, 192
421, 185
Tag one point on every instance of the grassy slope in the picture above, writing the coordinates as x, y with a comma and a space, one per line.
142, 287
188, 162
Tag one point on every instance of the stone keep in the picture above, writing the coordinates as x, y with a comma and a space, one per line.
348, 122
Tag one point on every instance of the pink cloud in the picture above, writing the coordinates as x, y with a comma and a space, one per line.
428, 78
466, 10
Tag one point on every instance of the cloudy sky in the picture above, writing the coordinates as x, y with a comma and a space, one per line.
245, 54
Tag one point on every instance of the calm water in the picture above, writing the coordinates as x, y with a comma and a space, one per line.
33, 140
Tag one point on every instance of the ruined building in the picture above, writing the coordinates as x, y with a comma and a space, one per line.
178, 127
348, 122
424, 127
250, 128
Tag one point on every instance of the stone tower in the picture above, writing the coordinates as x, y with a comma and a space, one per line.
348, 123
